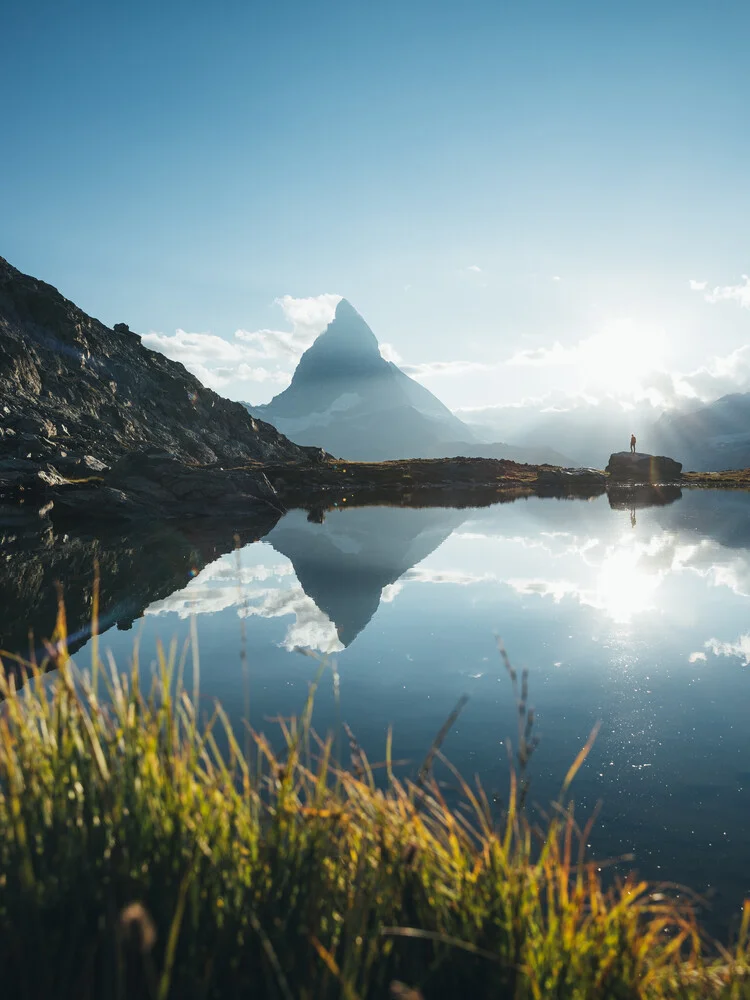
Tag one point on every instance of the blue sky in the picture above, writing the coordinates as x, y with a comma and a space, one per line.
487, 182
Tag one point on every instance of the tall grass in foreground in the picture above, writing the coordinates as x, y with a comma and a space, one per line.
138, 860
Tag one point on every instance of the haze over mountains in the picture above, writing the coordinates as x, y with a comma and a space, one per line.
703, 436
345, 397
710, 437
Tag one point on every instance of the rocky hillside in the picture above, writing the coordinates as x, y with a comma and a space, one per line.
74, 393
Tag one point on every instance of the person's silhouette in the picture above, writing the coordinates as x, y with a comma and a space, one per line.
632, 443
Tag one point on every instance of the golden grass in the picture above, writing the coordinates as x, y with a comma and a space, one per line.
144, 854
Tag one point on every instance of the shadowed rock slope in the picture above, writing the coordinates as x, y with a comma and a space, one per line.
71, 387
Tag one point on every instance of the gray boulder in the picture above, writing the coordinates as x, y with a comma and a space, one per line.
626, 466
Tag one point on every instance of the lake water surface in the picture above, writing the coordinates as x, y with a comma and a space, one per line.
636, 619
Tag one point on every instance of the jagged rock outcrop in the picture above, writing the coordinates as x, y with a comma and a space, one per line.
79, 396
635, 467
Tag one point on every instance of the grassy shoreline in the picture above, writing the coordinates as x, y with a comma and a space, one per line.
137, 859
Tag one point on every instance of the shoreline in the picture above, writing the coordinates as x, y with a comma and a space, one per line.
155, 485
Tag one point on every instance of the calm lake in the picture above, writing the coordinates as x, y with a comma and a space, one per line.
636, 618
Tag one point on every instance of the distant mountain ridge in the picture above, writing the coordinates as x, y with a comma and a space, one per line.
345, 397
711, 437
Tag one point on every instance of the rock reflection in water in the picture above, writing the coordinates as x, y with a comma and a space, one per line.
137, 566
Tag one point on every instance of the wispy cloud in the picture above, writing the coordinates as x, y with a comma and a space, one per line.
475, 268
739, 649
739, 293
222, 585
554, 355
429, 369
389, 353
308, 317
214, 361
220, 362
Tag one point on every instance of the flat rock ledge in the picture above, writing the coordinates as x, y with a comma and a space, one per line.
636, 467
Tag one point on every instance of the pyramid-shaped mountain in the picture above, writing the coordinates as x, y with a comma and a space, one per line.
345, 563
345, 397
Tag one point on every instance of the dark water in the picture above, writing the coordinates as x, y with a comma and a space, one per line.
634, 618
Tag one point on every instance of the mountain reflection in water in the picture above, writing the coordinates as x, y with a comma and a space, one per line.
629, 609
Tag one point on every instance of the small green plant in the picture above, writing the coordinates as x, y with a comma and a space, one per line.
140, 860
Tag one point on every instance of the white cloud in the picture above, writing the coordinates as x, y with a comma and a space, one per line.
219, 363
389, 353
391, 591
555, 355
697, 658
311, 628
475, 269
740, 648
430, 369
424, 575
556, 277
194, 347
214, 361
307, 316
627, 363
224, 585
726, 293
556, 589
722, 374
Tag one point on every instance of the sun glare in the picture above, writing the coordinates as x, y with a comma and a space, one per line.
618, 359
623, 588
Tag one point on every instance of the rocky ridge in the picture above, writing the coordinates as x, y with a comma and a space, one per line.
77, 396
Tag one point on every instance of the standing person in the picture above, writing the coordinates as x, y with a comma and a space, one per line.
632, 444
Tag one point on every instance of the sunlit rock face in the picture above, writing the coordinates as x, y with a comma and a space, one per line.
346, 398
77, 394
635, 467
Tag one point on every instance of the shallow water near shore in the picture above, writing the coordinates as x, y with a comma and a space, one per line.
635, 618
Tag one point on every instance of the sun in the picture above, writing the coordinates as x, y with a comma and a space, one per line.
618, 360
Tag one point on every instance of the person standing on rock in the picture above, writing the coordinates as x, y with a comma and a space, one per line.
632, 444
